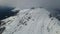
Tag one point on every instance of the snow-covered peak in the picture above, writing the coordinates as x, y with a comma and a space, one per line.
31, 21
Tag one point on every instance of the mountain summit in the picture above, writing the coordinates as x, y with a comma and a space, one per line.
31, 21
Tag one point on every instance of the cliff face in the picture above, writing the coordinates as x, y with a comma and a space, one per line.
31, 21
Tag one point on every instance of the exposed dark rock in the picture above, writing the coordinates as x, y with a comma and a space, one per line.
41, 7
32, 8
1, 30
50, 15
2, 23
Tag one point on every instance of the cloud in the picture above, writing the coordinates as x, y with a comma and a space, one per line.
32, 3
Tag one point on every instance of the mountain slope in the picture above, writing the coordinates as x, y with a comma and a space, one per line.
31, 21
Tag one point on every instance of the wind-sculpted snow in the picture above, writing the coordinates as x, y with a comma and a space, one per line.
31, 21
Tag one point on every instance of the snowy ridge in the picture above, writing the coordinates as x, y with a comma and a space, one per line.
31, 21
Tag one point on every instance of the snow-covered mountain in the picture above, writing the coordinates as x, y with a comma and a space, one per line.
31, 21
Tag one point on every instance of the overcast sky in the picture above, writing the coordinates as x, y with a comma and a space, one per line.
32, 3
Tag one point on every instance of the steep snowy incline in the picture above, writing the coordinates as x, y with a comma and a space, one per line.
31, 21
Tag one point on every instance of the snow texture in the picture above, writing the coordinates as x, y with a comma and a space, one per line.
31, 21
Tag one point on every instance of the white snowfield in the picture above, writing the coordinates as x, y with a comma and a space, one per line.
32, 21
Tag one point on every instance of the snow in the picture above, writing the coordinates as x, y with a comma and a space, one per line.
31, 21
